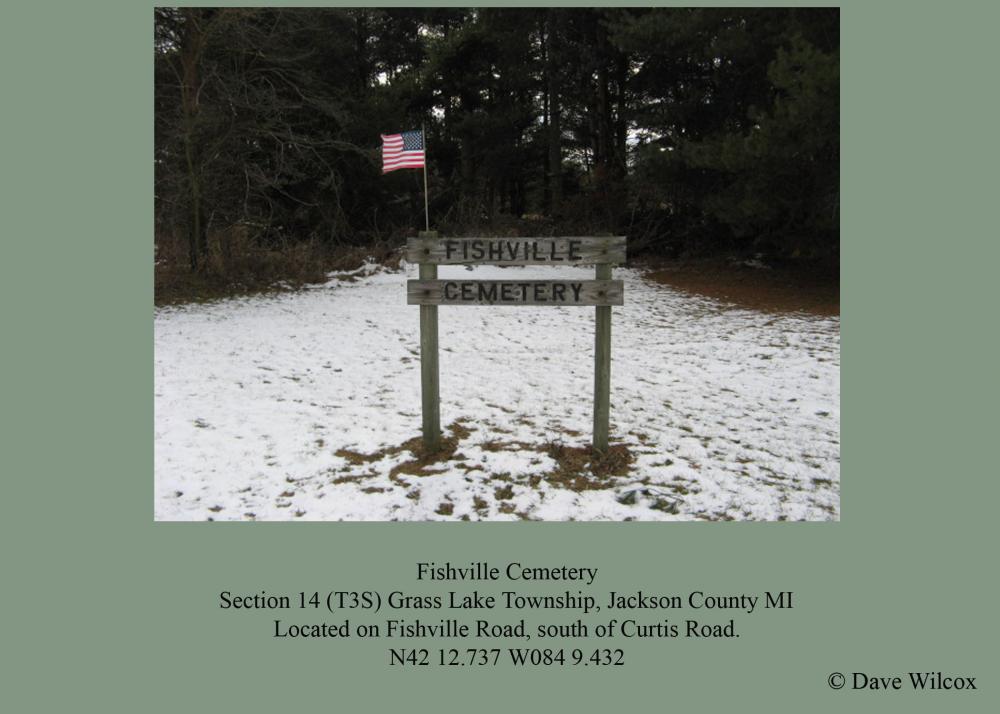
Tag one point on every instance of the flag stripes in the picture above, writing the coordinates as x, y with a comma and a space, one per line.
402, 151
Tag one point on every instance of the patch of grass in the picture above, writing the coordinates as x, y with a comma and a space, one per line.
356, 458
445, 508
418, 466
353, 478
579, 468
615, 462
497, 445
459, 430
480, 505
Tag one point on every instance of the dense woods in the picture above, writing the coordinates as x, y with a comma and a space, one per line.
693, 131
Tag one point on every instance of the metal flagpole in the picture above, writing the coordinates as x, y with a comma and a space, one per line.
423, 142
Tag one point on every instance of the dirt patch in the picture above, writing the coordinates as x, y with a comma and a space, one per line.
420, 465
356, 458
348, 479
497, 445
481, 505
779, 287
459, 430
579, 468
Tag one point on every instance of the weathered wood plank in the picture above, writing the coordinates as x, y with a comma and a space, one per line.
583, 250
515, 292
430, 382
602, 369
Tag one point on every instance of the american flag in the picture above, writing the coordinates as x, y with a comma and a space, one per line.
402, 151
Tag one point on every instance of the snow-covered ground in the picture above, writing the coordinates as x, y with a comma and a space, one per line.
302, 406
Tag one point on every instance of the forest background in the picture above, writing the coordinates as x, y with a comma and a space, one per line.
698, 133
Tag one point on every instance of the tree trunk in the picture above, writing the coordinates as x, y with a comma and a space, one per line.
547, 182
605, 173
621, 121
554, 173
192, 44
603, 148
361, 49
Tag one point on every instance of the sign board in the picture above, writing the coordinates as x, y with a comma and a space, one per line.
586, 250
428, 292
556, 293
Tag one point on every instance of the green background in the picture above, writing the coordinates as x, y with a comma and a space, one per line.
105, 610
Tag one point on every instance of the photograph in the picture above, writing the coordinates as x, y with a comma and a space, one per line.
496, 264
522, 327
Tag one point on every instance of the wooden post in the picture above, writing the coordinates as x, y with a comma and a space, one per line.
429, 373
602, 368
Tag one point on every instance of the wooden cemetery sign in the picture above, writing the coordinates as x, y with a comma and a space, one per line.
514, 292
516, 251
428, 292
